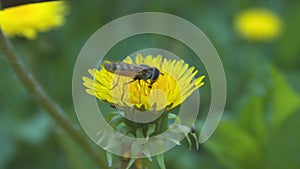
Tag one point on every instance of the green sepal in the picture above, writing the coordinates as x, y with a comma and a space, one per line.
109, 158
160, 161
196, 140
187, 137
130, 163
113, 141
150, 130
139, 133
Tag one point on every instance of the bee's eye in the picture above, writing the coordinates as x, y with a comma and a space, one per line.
155, 74
113, 66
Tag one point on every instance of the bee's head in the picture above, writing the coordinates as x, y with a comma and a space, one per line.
154, 74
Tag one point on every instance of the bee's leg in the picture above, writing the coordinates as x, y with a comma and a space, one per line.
112, 106
150, 85
115, 84
124, 88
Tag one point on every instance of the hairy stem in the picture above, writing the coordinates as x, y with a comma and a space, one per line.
42, 98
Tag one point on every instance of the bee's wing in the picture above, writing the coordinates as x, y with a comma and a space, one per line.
125, 69
133, 67
129, 70
142, 67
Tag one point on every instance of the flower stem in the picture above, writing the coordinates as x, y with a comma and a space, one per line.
42, 98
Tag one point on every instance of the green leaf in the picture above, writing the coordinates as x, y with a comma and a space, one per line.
8, 140
284, 99
283, 146
233, 147
287, 47
251, 118
76, 157
36, 129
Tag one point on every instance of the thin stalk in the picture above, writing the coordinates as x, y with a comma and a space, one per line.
43, 99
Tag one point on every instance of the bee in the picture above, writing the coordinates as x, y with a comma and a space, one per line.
137, 72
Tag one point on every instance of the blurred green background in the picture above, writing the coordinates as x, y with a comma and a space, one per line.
262, 114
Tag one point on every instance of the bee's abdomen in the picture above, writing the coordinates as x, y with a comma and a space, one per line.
111, 67
120, 68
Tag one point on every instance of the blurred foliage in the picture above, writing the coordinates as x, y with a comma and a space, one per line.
250, 140
259, 126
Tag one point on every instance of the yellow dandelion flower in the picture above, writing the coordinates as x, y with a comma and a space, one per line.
29, 19
258, 24
175, 84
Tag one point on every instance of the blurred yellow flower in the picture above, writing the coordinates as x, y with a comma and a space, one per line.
29, 19
171, 89
258, 24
